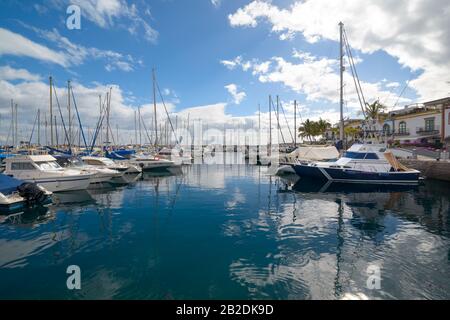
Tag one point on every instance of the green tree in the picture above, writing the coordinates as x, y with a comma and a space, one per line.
374, 110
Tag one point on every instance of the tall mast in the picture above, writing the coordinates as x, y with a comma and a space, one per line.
270, 124
15, 117
12, 123
51, 112
341, 71
259, 125
135, 128
295, 123
139, 123
39, 126
70, 116
154, 107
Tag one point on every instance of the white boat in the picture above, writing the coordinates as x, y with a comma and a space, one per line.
45, 171
362, 163
177, 155
306, 154
100, 174
148, 162
102, 162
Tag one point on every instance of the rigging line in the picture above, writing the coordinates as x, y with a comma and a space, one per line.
355, 74
352, 65
78, 116
164, 104
99, 124
401, 93
32, 130
145, 128
278, 122
285, 118
62, 118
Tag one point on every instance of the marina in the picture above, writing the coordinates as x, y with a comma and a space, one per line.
231, 232
219, 161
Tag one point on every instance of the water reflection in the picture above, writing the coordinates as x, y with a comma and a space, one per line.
232, 231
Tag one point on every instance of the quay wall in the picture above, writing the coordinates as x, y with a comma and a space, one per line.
431, 169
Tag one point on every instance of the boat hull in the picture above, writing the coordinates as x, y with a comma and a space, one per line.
64, 184
356, 176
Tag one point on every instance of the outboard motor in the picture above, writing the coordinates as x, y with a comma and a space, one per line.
32, 193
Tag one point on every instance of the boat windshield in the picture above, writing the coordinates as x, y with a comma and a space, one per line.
108, 162
360, 155
51, 165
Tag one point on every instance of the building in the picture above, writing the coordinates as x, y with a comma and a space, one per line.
420, 124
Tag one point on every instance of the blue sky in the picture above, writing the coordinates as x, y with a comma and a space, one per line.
190, 42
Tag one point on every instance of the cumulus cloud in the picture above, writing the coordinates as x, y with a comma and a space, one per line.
12, 43
108, 13
417, 32
8, 73
233, 91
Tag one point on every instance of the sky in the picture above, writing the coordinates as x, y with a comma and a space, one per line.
217, 60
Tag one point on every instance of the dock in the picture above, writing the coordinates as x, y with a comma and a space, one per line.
430, 169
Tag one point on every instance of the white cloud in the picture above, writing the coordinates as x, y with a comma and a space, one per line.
8, 73
75, 54
416, 32
233, 91
108, 13
392, 85
14, 44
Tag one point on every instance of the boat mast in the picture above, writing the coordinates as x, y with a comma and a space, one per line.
295, 123
51, 112
39, 126
341, 71
270, 124
154, 106
70, 117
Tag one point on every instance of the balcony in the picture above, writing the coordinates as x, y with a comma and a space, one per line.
425, 131
402, 132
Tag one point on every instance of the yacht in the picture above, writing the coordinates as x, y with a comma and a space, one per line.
103, 162
362, 163
148, 162
45, 171
176, 155
100, 174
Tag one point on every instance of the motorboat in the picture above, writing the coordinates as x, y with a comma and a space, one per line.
15, 194
102, 162
362, 163
307, 153
149, 162
45, 171
100, 174
176, 155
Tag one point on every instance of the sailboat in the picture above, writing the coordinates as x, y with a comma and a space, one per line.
362, 163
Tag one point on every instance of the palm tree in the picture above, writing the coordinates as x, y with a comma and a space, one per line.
322, 126
307, 130
374, 110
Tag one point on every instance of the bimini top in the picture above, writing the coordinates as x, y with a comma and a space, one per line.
38, 158
8, 185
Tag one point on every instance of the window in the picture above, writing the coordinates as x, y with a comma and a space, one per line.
449, 118
52, 165
402, 127
359, 155
386, 129
22, 166
429, 124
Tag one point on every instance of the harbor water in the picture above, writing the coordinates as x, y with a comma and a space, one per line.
231, 232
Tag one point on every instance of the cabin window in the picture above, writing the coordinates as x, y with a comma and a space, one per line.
429, 124
22, 166
402, 127
360, 155
49, 165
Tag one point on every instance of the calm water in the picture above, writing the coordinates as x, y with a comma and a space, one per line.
231, 232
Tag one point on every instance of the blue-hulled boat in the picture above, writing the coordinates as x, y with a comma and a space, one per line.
362, 163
